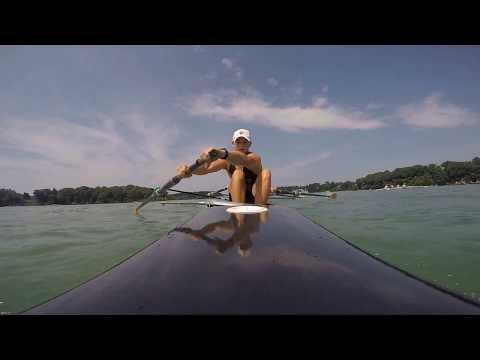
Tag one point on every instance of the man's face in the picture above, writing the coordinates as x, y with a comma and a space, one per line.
241, 144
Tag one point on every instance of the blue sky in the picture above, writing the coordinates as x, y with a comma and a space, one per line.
119, 115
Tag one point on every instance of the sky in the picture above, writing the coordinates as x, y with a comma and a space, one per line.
119, 115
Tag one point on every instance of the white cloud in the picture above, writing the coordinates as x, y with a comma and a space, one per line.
231, 64
47, 153
320, 115
228, 63
325, 88
432, 112
272, 82
134, 149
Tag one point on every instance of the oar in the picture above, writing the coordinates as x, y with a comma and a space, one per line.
217, 192
212, 155
330, 195
284, 196
210, 195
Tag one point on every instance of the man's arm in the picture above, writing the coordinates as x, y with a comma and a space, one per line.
206, 168
251, 161
214, 166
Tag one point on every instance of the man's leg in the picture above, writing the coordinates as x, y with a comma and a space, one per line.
237, 186
262, 187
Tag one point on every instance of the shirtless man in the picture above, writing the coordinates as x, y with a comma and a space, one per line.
249, 182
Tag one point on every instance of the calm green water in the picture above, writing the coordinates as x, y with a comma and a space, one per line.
432, 232
45, 250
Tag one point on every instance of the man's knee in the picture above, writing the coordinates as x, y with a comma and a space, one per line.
238, 174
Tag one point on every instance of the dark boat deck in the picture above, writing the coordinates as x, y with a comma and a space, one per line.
276, 263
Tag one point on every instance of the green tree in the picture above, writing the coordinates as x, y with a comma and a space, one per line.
9, 197
105, 196
66, 196
456, 170
51, 197
41, 196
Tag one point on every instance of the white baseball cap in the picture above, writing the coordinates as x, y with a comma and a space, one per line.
241, 133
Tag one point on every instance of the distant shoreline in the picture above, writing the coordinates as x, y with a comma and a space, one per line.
449, 173
189, 197
84, 196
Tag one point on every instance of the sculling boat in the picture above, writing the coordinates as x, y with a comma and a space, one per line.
253, 260
275, 262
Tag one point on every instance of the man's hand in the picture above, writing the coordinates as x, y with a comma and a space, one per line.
182, 171
204, 155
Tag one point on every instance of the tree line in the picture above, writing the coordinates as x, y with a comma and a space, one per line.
87, 195
9, 197
449, 172
80, 195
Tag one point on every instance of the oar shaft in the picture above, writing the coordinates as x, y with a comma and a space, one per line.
322, 195
286, 195
219, 191
176, 179
306, 194
207, 196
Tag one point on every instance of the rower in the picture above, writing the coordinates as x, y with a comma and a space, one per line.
249, 182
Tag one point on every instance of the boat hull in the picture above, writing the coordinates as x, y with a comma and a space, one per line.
289, 266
